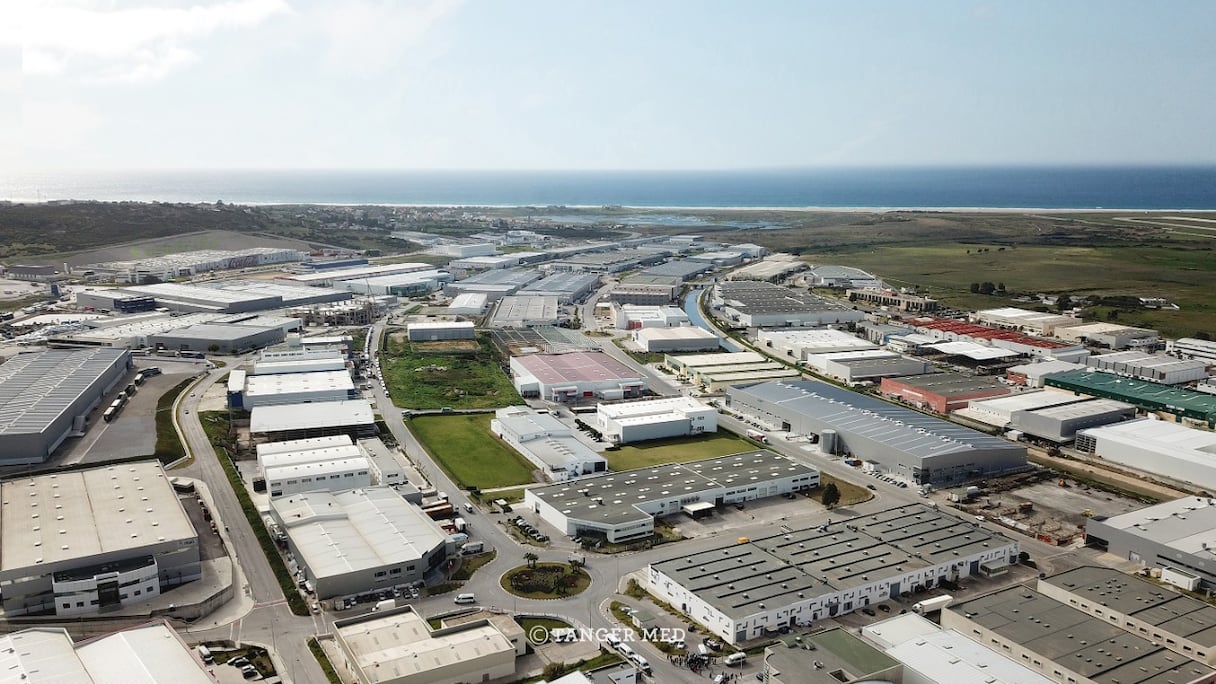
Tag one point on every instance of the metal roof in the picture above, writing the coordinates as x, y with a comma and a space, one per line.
576, 367
293, 383
323, 414
36, 389
564, 282
150, 654
759, 298
950, 383
1187, 525
1146, 395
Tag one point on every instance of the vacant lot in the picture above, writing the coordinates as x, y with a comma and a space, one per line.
677, 450
431, 380
468, 452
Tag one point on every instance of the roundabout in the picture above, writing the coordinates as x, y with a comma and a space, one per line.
545, 580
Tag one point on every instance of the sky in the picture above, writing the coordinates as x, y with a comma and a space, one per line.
620, 84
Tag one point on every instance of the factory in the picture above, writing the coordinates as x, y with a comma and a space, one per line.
1025, 320
410, 284
970, 355
924, 449
830, 657
352, 541
611, 262
999, 412
541, 339
569, 288
638, 421
103, 555
684, 338
687, 366
1110, 336
743, 591
275, 459
622, 506
1191, 348
281, 363
488, 262
148, 654
434, 331
890, 299
634, 316
842, 278
1178, 535
46, 397
772, 269
218, 338
1166, 370
187, 264
227, 297
853, 367
718, 380
547, 443
471, 304
942, 392
1146, 396
301, 421
297, 388
798, 344
1033, 374
526, 311
494, 284
574, 376
723, 258
1067, 644
397, 646
327, 278
1024, 345
1059, 424
1157, 447
684, 269
464, 251
644, 293
754, 304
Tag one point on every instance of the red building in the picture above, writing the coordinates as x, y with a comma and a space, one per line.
942, 392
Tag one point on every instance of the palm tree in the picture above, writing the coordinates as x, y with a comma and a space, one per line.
531, 558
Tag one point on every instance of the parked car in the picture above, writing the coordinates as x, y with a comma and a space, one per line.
869, 611
239, 662
250, 672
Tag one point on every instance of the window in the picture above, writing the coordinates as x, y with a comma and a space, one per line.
395, 571
138, 592
80, 604
382, 573
67, 605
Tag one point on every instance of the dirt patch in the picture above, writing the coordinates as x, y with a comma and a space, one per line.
209, 239
441, 346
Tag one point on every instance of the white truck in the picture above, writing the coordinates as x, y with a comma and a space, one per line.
757, 436
932, 605
473, 547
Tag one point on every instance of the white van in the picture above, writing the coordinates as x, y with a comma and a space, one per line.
626, 650
613, 640
465, 598
205, 654
735, 658
640, 662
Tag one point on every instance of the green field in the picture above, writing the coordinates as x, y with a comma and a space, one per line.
459, 380
468, 452
677, 450
945, 271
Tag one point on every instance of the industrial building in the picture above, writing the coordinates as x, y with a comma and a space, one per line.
547, 443
95, 554
891, 299
494, 284
1147, 396
1110, 336
688, 365
148, 654
326, 278
743, 591
970, 354
574, 376
829, 657
410, 284
187, 264
397, 646
464, 251
798, 344
999, 412
684, 338
921, 448
297, 388
567, 287
320, 464
541, 339
1192, 348
220, 297
716, 381
468, 304
217, 338
1032, 374
723, 258
622, 506
386, 467
323, 362
852, 368
1068, 645
755, 304
1178, 535
1060, 423
359, 540
842, 277
35, 272
932, 655
1025, 320
613, 261
684, 269
526, 311
484, 262
942, 392
46, 397
300, 421
643, 294
637, 421
440, 330
635, 316
1160, 368
951, 330
1157, 447
1186, 625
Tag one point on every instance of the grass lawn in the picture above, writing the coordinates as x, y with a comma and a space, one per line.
468, 452
677, 450
850, 493
471, 564
543, 573
431, 380
548, 623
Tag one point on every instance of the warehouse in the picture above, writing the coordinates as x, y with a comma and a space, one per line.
440, 330
1179, 535
148, 654
743, 591
526, 311
921, 448
46, 397
297, 388
684, 269
952, 330
942, 392
187, 297
1067, 644
1032, 374
103, 555
494, 284
637, 421
328, 278
716, 381
286, 324
852, 368
891, 299
288, 295
1147, 396
829, 657
397, 646
772, 269
622, 506
688, 365
842, 277
633, 316
1191, 348
574, 376
412, 284
798, 344
186, 264
643, 294
1188, 624
1158, 447
613, 261
359, 540
546, 339
754, 304
1166, 370
464, 251
331, 361
547, 443
1110, 335
324, 464
999, 412
1059, 424
1033, 322
483, 263
724, 258
698, 376
469, 304
685, 338
569, 288
971, 355
300, 421
217, 338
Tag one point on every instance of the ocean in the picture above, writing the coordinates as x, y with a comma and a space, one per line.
1142, 188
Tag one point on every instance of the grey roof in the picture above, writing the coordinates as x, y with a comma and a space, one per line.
35, 389
739, 579
1090, 646
1127, 594
835, 650
323, 414
564, 282
502, 276
950, 383
758, 297
1187, 524
214, 331
682, 268
1083, 409
900, 428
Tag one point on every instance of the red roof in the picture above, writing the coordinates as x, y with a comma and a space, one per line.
983, 332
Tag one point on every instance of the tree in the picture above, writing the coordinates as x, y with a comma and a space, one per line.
830, 496
1000, 287
1063, 302
531, 558
1203, 335
213, 348
975, 287
987, 288
1112, 315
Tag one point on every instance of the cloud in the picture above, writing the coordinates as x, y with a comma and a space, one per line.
367, 37
125, 45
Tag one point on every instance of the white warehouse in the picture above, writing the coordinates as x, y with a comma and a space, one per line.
634, 316
655, 419
295, 388
681, 338
1158, 447
547, 442
319, 464
442, 330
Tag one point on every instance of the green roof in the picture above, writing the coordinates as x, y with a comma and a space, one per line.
1149, 396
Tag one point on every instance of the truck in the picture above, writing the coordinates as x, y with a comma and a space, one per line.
758, 436
932, 605
473, 547
460, 525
